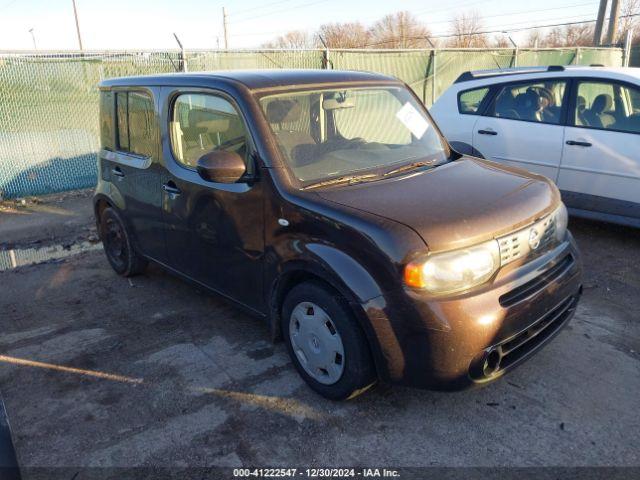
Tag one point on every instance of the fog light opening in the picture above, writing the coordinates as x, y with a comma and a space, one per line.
491, 363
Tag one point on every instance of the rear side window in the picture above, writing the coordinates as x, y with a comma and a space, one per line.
538, 101
137, 129
469, 102
106, 120
201, 123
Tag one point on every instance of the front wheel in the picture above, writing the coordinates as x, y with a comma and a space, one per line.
325, 342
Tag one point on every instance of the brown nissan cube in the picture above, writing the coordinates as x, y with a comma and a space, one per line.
328, 204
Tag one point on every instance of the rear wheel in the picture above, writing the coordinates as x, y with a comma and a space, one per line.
325, 342
117, 245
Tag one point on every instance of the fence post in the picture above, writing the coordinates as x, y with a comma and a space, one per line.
515, 51
325, 54
433, 77
182, 61
325, 59
576, 57
628, 40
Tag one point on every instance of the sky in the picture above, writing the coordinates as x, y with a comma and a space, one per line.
149, 24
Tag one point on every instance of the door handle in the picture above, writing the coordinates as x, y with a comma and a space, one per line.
117, 172
578, 144
171, 189
487, 132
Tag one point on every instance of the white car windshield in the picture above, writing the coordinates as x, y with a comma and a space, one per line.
333, 133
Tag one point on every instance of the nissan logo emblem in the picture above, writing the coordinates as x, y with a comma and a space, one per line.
534, 239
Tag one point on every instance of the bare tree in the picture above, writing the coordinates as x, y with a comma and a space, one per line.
580, 35
502, 41
628, 21
345, 35
467, 28
399, 30
293, 39
536, 38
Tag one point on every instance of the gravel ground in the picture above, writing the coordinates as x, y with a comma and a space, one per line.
97, 370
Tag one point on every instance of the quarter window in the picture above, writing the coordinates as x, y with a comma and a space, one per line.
106, 120
137, 127
539, 101
142, 124
469, 102
123, 127
201, 123
607, 106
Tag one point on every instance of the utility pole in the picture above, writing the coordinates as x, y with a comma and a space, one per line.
613, 22
602, 11
33, 37
224, 26
75, 14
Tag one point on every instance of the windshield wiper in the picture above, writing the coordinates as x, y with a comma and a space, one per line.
411, 166
348, 179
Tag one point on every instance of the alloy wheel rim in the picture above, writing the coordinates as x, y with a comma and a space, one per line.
316, 343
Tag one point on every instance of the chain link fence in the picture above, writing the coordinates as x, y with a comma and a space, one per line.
49, 101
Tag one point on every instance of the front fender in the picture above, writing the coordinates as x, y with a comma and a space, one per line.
347, 271
340, 271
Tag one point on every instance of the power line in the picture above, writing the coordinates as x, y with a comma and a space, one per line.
280, 11
503, 27
487, 32
538, 10
429, 24
261, 7
7, 5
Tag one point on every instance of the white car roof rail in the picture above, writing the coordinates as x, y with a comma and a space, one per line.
498, 72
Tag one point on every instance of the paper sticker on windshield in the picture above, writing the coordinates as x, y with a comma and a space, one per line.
413, 120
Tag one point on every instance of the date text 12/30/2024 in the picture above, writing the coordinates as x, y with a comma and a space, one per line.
315, 473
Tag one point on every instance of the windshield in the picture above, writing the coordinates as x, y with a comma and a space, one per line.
334, 133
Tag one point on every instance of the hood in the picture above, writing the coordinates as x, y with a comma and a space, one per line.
457, 204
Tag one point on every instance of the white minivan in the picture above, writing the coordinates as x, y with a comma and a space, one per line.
579, 126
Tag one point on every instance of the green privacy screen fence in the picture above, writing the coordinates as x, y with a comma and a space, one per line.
634, 60
49, 101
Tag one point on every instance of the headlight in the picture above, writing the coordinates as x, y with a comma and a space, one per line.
454, 271
562, 220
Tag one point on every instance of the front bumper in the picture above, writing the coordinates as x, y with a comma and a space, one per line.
473, 338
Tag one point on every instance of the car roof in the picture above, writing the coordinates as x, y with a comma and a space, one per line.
488, 77
252, 79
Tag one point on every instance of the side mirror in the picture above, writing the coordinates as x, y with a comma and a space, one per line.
221, 166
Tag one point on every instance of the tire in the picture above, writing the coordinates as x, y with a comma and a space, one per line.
116, 241
312, 316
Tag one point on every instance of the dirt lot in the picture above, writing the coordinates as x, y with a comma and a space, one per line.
97, 370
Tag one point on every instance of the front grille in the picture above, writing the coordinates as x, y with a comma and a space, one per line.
534, 286
522, 243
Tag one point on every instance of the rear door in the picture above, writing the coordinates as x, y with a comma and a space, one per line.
523, 126
130, 162
213, 231
600, 168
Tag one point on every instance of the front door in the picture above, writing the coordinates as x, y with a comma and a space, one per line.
213, 231
523, 126
600, 167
